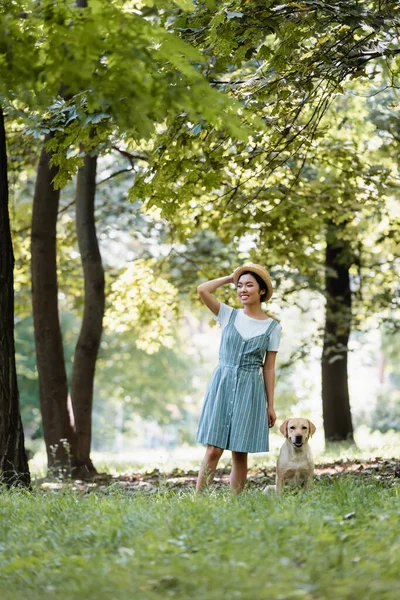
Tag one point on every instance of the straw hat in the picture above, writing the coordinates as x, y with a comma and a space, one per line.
261, 272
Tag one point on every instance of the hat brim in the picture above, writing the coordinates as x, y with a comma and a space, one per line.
260, 271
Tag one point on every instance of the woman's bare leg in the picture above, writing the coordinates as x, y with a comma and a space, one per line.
239, 471
208, 467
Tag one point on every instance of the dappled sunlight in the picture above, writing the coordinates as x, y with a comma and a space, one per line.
144, 303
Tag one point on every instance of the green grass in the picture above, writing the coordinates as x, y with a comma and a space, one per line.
340, 541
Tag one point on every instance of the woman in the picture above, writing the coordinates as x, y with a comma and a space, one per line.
239, 403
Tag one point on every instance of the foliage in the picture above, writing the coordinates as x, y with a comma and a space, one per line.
93, 51
274, 69
384, 258
141, 301
22, 155
344, 178
200, 257
286, 61
108, 66
290, 62
152, 385
385, 415
28, 384
142, 306
215, 546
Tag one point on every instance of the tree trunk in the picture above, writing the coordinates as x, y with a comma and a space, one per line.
92, 324
335, 391
14, 468
58, 431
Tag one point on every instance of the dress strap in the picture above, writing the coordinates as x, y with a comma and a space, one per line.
271, 327
232, 316
267, 334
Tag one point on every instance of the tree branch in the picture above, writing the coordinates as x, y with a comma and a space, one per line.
131, 156
114, 175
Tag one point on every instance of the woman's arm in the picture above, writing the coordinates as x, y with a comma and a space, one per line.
269, 382
206, 290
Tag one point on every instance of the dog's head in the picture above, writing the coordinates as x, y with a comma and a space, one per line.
298, 431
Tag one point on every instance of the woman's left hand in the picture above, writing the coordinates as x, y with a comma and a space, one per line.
271, 417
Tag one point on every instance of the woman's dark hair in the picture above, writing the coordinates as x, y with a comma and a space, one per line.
260, 281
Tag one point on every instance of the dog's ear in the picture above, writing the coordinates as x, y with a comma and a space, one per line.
312, 427
283, 428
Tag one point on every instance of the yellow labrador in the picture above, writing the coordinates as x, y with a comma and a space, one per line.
295, 461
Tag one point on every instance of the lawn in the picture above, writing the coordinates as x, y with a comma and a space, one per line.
340, 541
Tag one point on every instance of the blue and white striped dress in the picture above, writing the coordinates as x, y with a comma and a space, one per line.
234, 415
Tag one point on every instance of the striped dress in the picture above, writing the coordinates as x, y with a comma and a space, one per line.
234, 415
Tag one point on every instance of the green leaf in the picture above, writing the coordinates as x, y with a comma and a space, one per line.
186, 5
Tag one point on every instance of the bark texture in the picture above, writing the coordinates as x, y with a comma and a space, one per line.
58, 431
87, 347
335, 391
14, 468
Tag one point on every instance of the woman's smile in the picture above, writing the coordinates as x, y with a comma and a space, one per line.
248, 289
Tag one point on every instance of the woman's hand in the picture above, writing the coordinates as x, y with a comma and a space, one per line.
271, 417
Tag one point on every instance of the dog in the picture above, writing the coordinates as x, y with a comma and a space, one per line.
295, 462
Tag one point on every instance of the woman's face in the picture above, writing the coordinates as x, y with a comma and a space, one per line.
248, 290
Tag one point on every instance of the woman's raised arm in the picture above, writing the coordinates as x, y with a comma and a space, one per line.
207, 289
